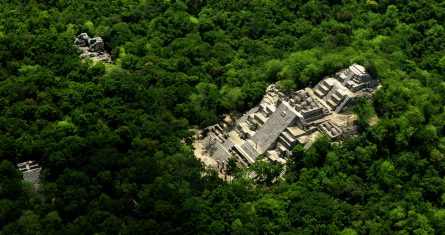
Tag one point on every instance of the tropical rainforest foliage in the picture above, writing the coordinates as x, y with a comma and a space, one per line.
114, 139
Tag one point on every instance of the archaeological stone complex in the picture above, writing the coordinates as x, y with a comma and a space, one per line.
280, 121
92, 48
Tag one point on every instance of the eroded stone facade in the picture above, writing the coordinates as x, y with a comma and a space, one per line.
281, 121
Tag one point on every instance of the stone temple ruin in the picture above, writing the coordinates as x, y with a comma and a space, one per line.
92, 47
281, 121
31, 172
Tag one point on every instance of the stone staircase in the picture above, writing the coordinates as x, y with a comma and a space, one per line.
249, 149
328, 95
260, 118
335, 99
322, 89
242, 155
342, 105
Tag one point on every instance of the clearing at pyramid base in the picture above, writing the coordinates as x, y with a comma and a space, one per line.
281, 121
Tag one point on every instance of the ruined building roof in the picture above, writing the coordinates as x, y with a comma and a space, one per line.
30, 171
283, 116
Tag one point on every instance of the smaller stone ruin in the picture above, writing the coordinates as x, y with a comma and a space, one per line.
31, 172
92, 48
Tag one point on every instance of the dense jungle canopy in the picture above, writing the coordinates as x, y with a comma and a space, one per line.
114, 139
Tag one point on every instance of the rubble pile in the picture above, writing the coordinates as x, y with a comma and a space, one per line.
92, 48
